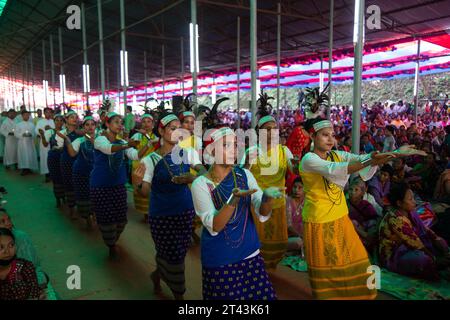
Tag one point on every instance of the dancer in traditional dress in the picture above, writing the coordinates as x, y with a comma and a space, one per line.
55, 144
232, 266
337, 260
269, 168
26, 151
44, 124
7, 130
83, 149
107, 181
171, 208
67, 161
147, 143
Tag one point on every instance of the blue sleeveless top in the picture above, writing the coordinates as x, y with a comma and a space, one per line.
238, 239
108, 170
85, 159
65, 156
166, 197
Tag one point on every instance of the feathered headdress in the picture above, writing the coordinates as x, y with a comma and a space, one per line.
314, 99
188, 104
106, 107
146, 108
209, 116
264, 109
88, 113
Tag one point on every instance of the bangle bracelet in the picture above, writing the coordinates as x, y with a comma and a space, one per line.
366, 162
231, 201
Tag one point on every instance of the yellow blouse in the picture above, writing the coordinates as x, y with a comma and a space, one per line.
324, 182
270, 171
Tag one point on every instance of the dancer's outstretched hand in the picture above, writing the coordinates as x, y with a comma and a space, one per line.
274, 192
239, 193
381, 158
409, 150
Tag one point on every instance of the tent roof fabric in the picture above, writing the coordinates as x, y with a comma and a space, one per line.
305, 26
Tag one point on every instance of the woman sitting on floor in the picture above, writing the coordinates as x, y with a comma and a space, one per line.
363, 215
17, 276
294, 206
408, 247
380, 185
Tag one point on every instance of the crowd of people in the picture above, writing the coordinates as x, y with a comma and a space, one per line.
340, 211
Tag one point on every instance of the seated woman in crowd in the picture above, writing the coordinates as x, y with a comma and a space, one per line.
24, 247
406, 246
18, 279
294, 206
363, 215
380, 185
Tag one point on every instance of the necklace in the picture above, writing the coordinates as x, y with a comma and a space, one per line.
166, 164
240, 213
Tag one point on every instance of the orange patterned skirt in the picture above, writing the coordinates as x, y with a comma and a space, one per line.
337, 261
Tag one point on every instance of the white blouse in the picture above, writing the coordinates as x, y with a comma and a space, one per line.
102, 144
336, 172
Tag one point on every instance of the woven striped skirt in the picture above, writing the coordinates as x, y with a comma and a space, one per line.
243, 280
172, 237
66, 174
82, 194
140, 203
54, 168
273, 235
337, 261
109, 205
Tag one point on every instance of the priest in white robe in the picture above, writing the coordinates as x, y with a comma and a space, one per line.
24, 132
3, 117
7, 130
42, 125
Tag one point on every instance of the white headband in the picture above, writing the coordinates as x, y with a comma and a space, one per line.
264, 120
188, 114
322, 124
220, 133
167, 119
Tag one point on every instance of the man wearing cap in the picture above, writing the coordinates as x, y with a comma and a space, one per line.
43, 125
